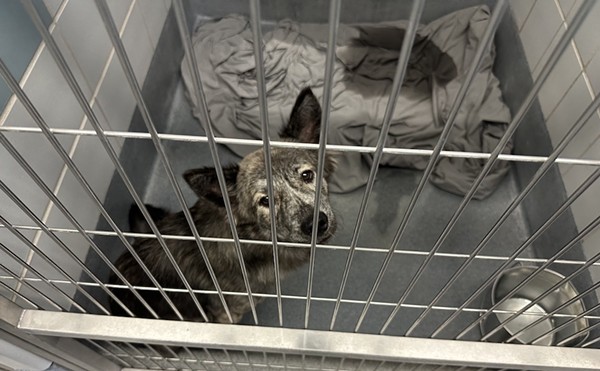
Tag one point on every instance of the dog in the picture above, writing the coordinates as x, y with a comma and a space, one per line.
294, 184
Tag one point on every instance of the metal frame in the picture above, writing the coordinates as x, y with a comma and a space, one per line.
120, 333
309, 342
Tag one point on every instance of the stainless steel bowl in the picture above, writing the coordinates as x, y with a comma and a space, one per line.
545, 279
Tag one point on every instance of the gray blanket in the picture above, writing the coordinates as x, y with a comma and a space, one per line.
367, 55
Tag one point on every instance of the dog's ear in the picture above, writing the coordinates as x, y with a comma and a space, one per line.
205, 184
305, 120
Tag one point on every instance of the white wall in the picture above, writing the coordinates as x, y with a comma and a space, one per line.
83, 40
571, 87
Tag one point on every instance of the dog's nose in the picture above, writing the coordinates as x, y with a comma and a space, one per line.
321, 227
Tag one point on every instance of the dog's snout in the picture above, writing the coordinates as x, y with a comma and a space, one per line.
323, 223
307, 226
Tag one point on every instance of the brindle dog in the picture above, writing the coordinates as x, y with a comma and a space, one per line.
294, 184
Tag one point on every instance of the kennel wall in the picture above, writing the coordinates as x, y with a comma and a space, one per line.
47, 302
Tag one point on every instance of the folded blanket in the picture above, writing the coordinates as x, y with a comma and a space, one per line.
367, 55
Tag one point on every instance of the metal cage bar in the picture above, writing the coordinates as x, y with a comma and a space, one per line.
24, 282
334, 21
15, 293
206, 121
378, 250
315, 298
53, 264
495, 19
119, 346
16, 89
581, 235
484, 44
407, 42
183, 31
108, 353
537, 85
535, 179
582, 188
311, 342
113, 34
25, 166
329, 147
590, 343
264, 120
559, 327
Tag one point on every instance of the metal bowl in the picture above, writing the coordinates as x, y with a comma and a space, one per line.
544, 280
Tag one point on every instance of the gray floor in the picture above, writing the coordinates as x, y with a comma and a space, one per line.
389, 200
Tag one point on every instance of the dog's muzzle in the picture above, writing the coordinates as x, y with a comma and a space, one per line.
307, 225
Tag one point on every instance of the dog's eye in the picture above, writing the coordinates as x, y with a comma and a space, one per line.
308, 176
264, 201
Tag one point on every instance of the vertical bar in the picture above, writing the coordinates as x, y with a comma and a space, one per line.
14, 292
16, 89
545, 72
362, 362
63, 66
284, 361
199, 363
407, 42
539, 174
125, 353
567, 323
131, 350
264, 119
334, 20
113, 33
211, 356
580, 236
109, 353
582, 188
583, 330
212, 145
24, 239
483, 46
24, 282
380, 364
29, 170
228, 356
248, 359
152, 350
592, 341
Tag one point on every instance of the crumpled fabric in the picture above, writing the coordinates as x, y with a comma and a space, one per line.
366, 59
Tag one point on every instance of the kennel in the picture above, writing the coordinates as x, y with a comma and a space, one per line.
407, 280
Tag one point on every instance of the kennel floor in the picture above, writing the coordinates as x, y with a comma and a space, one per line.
389, 199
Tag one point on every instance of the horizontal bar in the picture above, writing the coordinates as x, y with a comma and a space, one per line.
299, 297
311, 342
329, 147
303, 245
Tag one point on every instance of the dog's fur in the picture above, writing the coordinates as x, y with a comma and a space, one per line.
294, 181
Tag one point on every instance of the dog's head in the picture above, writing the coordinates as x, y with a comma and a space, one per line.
294, 182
